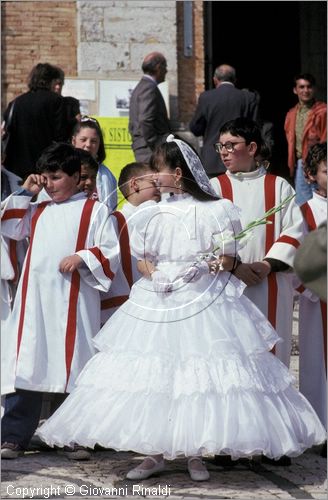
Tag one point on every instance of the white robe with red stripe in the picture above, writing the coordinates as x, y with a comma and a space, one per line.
313, 326
127, 273
255, 193
56, 315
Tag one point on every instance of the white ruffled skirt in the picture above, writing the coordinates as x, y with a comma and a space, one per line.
182, 377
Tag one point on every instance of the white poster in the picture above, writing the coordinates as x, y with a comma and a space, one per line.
114, 97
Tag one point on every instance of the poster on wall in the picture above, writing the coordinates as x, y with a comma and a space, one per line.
117, 146
83, 90
115, 95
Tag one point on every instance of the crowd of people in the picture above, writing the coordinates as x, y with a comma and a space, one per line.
165, 327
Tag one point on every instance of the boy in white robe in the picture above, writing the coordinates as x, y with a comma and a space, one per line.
312, 310
138, 185
73, 254
269, 254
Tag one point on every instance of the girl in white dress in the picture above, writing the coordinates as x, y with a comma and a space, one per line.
184, 367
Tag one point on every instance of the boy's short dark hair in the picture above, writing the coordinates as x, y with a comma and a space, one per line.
59, 156
135, 169
316, 155
305, 76
246, 128
88, 159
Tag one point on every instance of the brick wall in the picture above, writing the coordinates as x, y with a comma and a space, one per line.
102, 39
190, 69
33, 32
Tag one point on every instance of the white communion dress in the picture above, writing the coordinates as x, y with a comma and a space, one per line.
187, 372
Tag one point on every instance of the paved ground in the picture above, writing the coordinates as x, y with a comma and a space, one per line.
44, 474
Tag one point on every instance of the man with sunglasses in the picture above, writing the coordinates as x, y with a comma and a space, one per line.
217, 106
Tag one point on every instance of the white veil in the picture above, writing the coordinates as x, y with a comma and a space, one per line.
195, 166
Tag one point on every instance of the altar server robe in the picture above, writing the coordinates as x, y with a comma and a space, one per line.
56, 315
255, 193
313, 325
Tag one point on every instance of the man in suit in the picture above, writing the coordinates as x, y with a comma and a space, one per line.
216, 107
148, 120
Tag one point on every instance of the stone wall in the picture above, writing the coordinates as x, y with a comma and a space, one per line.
33, 32
114, 37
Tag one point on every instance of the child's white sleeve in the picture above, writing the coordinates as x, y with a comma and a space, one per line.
102, 253
292, 229
16, 213
145, 233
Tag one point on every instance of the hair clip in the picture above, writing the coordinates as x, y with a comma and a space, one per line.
86, 118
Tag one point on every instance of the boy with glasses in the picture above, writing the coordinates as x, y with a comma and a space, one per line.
270, 253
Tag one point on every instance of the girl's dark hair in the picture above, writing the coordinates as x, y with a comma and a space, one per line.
170, 154
89, 122
246, 128
42, 75
59, 156
316, 155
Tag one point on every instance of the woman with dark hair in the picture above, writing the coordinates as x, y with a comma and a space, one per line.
87, 135
184, 367
37, 119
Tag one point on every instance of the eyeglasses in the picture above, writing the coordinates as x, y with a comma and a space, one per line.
230, 146
86, 118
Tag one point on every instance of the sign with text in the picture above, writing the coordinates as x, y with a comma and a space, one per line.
117, 141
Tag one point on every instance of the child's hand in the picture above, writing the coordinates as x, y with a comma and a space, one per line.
34, 183
248, 275
70, 264
261, 268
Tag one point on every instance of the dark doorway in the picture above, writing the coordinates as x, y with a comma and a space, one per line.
237, 33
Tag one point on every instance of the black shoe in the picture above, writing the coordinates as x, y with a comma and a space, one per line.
224, 461
282, 461
323, 452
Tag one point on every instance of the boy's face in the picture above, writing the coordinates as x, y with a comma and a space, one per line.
241, 158
147, 188
59, 185
87, 182
321, 177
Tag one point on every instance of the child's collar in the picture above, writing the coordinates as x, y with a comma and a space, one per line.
259, 172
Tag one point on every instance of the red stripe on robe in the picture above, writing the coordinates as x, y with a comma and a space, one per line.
75, 288
288, 239
124, 241
113, 302
103, 261
270, 198
14, 213
308, 216
34, 220
226, 186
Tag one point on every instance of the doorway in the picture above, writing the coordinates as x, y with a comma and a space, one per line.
235, 33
